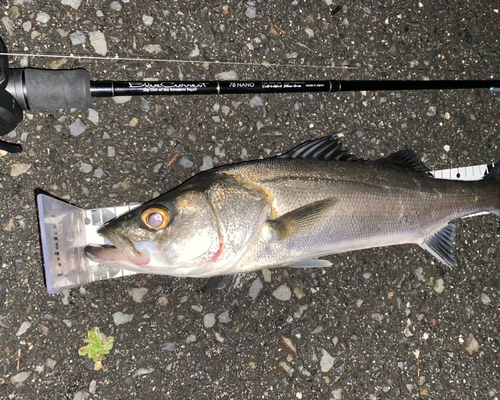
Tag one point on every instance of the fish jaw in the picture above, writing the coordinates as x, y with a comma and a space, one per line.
122, 250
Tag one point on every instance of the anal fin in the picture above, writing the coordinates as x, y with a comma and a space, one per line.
440, 245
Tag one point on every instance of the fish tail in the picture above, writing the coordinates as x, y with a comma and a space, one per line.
494, 174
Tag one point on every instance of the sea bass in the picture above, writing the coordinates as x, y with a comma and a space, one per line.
287, 211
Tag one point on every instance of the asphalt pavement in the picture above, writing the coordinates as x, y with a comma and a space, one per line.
379, 324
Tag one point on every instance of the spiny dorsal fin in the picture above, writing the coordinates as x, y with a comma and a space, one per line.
440, 245
327, 148
406, 158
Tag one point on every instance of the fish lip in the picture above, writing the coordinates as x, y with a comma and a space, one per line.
122, 249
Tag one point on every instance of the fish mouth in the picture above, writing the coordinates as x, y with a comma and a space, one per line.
121, 250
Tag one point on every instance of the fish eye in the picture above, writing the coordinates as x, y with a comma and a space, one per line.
156, 217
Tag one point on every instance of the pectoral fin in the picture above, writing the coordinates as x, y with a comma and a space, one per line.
302, 219
440, 245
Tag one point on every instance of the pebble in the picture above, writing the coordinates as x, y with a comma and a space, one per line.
98, 42
50, 363
207, 163
122, 99
218, 337
77, 127
298, 292
93, 116
310, 33
197, 307
77, 37
438, 286
209, 320
18, 379
224, 318
115, 6
226, 76
27, 26
72, 3
19, 169
419, 273
42, 17
185, 162
251, 12
111, 151
92, 386
327, 361
485, 299
471, 345
266, 274
216, 119
98, 173
23, 328
337, 394
152, 48
147, 20
157, 168
143, 371
432, 111
168, 346
256, 101
14, 13
85, 168
255, 289
162, 301
195, 52
283, 293
120, 318
190, 339
138, 294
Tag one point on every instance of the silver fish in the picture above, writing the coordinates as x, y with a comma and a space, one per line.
287, 211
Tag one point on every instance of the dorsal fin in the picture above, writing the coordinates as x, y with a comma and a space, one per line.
406, 158
327, 148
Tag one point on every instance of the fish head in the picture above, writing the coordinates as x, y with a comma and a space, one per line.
170, 235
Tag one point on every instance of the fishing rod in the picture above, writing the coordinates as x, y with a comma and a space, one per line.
24, 89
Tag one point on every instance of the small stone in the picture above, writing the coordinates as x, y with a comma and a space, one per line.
42, 17
224, 318
190, 339
138, 294
50, 363
98, 173
133, 122
471, 345
207, 163
19, 169
98, 42
185, 162
255, 289
310, 33
77, 37
298, 292
266, 274
143, 371
251, 12
85, 168
18, 379
216, 119
209, 320
168, 346
152, 48
120, 318
438, 286
367, 275
14, 13
9, 25
327, 361
122, 99
157, 168
115, 6
256, 101
227, 76
432, 111
111, 151
446, 148
72, 3
393, 50
93, 116
27, 26
147, 20
162, 301
283, 293
225, 9
337, 394
92, 386
23, 328
218, 337
485, 299
77, 127
195, 52
197, 307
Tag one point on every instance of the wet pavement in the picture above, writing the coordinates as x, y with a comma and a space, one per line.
381, 323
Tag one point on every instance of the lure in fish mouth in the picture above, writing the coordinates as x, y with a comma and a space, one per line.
288, 211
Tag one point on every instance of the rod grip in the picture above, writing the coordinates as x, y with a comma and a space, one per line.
42, 89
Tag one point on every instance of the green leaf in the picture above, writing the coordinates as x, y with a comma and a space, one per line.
98, 345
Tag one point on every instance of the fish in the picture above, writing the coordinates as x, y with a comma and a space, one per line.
290, 210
